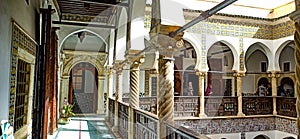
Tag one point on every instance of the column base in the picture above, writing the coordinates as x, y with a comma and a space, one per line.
202, 115
100, 112
274, 112
241, 114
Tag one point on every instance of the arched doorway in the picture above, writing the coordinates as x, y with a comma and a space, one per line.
83, 88
220, 62
287, 85
191, 82
261, 137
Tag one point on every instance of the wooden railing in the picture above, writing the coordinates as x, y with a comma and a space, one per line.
256, 105
179, 132
146, 125
186, 106
286, 106
148, 104
111, 112
123, 120
221, 106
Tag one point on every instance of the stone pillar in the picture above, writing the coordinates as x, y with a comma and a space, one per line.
201, 94
64, 92
108, 93
274, 77
134, 93
118, 97
295, 16
100, 109
239, 85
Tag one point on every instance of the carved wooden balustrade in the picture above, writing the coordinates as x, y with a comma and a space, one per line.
125, 100
111, 113
221, 106
123, 120
286, 106
146, 125
186, 106
179, 132
257, 105
148, 104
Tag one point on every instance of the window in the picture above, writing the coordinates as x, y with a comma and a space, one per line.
286, 66
22, 91
153, 86
263, 66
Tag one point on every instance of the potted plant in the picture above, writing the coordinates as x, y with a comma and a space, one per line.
66, 112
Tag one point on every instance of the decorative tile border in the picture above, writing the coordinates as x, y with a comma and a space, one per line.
84, 18
23, 41
237, 125
237, 26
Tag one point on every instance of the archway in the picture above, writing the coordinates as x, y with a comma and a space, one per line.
220, 62
261, 137
287, 85
191, 82
83, 88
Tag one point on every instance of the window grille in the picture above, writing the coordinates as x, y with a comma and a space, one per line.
22, 91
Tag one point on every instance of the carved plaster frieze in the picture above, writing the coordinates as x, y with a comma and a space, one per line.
72, 58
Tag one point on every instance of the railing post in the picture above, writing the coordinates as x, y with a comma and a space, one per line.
239, 84
201, 93
134, 93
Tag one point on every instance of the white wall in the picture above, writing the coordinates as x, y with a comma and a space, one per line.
24, 15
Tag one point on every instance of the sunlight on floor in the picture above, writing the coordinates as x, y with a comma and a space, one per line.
83, 128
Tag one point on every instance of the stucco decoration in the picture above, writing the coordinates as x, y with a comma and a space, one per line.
71, 58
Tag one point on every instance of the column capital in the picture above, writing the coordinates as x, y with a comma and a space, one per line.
109, 70
101, 77
274, 74
239, 73
201, 73
135, 61
295, 16
118, 67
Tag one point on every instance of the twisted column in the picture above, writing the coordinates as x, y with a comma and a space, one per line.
295, 16
239, 84
201, 93
166, 90
134, 85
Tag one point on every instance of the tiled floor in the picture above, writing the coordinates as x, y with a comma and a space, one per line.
91, 127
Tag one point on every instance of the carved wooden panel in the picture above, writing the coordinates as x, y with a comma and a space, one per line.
286, 106
257, 105
186, 106
146, 127
221, 106
123, 120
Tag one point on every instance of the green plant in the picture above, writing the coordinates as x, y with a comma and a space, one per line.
68, 109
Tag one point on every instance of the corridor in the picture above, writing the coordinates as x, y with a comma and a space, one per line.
91, 127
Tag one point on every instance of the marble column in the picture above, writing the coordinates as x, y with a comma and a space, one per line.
64, 91
295, 16
100, 109
201, 94
239, 84
109, 87
274, 77
134, 93
118, 97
